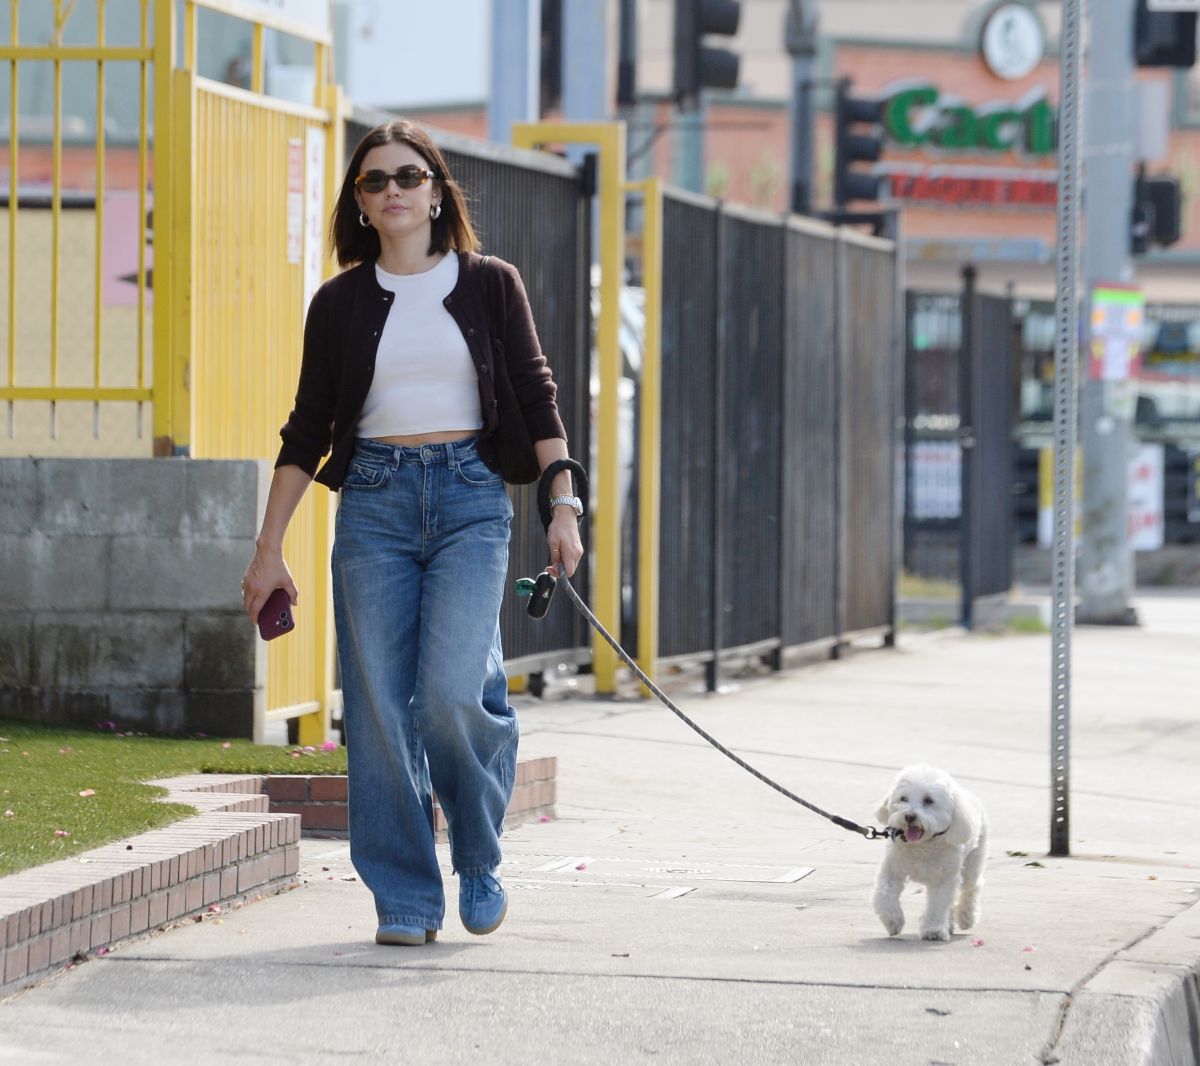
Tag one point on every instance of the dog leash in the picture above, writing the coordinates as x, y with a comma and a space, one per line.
541, 591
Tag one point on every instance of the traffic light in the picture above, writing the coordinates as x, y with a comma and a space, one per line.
1157, 213
1163, 38
1166, 196
698, 66
855, 145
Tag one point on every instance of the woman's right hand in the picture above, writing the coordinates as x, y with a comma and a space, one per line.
266, 573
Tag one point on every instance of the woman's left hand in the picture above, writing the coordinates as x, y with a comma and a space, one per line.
562, 538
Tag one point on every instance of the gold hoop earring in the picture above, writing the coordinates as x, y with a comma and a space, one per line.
363, 220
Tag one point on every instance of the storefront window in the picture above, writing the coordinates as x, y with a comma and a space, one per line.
1169, 382
1036, 359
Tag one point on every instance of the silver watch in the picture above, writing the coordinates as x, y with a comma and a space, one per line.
574, 502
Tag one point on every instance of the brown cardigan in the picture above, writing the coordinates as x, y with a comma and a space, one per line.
341, 337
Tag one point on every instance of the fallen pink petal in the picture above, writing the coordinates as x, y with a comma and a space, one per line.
1030, 948
309, 747
214, 908
102, 951
543, 817
227, 745
581, 866
976, 942
61, 833
295, 755
87, 792
329, 745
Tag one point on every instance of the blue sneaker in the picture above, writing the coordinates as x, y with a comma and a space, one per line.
482, 903
407, 935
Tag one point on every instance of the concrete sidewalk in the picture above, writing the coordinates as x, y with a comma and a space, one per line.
679, 911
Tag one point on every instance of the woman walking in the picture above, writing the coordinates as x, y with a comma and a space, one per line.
398, 383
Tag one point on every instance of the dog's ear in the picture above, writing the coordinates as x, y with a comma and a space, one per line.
885, 805
963, 823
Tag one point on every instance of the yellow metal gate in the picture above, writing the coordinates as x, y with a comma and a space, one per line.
239, 185
255, 177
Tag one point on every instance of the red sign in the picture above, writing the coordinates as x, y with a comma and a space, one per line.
973, 190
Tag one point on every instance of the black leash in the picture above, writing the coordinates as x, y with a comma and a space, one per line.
541, 590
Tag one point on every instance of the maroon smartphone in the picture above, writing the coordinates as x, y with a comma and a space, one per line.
275, 618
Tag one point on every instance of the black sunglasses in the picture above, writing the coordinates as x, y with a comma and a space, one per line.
407, 177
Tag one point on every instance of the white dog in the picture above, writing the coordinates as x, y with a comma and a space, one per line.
942, 844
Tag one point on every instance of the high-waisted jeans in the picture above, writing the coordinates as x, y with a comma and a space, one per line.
419, 563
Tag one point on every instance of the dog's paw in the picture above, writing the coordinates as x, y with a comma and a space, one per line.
892, 918
935, 934
966, 914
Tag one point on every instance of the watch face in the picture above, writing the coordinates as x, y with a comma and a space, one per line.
1012, 41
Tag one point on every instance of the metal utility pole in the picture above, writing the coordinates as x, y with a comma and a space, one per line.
1066, 351
584, 79
516, 60
1107, 403
801, 35
627, 59
585, 61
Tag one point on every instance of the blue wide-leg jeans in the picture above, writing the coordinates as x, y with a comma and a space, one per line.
419, 563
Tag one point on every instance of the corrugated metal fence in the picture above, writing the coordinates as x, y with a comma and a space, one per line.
779, 409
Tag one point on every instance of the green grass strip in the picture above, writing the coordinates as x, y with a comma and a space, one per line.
63, 791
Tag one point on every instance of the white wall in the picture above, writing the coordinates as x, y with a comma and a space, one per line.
402, 53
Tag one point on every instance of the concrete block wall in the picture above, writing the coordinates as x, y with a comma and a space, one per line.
120, 593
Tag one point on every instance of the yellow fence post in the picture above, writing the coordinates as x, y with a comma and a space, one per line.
164, 63
255, 176
609, 137
179, 307
314, 727
650, 442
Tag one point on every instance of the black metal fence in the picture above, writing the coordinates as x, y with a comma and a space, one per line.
986, 432
779, 408
960, 400
532, 211
932, 457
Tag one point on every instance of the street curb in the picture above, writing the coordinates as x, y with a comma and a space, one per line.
1151, 990
246, 839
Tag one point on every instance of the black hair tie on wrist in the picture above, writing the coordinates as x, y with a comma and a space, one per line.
543, 495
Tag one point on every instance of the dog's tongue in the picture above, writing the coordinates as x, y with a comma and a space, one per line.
913, 833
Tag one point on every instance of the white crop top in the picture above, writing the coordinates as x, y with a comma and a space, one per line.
425, 380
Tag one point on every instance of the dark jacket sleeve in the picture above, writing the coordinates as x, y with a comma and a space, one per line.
527, 369
308, 432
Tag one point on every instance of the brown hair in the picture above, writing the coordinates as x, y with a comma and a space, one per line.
352, 243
